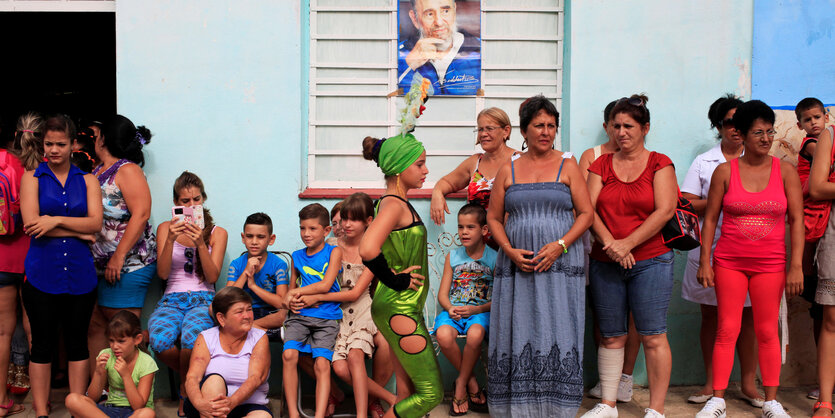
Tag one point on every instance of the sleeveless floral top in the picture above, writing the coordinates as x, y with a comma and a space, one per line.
479, 187
116, 216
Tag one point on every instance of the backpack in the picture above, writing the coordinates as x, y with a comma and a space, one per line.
10, 220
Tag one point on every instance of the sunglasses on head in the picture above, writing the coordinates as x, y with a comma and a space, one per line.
634, 101
189, 265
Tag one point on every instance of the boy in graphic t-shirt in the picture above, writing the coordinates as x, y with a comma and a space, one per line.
465, 292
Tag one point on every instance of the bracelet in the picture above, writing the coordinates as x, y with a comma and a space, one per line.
564, 248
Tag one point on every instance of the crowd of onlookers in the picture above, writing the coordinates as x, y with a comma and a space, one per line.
541, 232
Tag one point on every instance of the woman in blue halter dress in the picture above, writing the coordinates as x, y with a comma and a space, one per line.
537, 317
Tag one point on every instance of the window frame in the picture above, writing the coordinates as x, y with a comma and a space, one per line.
314, 189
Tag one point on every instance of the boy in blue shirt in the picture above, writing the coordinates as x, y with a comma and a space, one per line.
312, 330
465, 292
262, 274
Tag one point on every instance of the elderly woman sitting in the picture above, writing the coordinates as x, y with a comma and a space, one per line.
230, 363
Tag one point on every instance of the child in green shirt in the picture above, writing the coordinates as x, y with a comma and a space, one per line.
125, 370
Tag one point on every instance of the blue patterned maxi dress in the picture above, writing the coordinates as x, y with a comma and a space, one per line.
537, 319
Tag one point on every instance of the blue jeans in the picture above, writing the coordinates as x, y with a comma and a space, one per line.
645, 290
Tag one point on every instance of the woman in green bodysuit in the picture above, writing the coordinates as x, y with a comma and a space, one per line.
396, 242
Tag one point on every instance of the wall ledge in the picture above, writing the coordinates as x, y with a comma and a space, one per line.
319, 193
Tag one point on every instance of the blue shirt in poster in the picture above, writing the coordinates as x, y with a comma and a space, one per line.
462, 77
311, 269
272, 274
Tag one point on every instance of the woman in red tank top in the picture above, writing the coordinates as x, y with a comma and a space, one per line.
756, 192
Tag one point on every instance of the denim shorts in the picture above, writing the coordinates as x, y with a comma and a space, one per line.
129, 290
645, 290
115, 411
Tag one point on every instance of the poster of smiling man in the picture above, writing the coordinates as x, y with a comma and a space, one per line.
440, 39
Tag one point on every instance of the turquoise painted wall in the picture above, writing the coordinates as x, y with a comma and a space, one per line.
222, 86
792, 52
683, 55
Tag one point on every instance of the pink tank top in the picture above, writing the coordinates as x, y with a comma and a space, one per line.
183, 276
753, 235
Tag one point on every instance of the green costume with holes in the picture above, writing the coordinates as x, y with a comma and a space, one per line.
405, 248
402, 249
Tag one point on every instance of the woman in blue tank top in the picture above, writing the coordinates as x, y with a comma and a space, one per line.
61, 208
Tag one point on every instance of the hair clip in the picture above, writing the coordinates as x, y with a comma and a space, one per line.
141, 138
375, 151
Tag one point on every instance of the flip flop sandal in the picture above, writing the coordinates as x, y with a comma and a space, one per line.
478, 406
10, 408
376, 409
457, 402
184, 407
335, 402
824, 405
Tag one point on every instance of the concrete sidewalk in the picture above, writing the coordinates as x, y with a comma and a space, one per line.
793, 399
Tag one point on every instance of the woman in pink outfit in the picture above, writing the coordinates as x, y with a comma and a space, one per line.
755, 193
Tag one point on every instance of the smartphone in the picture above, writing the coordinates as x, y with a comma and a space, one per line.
189, 215
197, 216
182, 214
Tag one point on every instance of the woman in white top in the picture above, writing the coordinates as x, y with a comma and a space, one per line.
695, 187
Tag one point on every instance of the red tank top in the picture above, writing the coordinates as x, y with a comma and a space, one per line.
753, 235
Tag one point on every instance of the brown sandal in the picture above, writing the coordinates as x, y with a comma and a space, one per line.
457, 402
478, 406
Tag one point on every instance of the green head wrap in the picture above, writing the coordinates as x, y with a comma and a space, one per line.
398, 153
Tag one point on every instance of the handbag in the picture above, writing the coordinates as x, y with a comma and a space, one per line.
682, 232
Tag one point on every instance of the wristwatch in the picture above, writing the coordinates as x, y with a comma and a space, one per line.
564, 248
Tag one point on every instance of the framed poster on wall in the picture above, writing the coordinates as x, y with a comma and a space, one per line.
441, 40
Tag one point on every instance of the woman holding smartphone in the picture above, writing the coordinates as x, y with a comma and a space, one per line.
189, 259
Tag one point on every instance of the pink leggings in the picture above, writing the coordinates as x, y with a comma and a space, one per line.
765, 290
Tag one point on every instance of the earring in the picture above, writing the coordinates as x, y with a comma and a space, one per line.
399, 190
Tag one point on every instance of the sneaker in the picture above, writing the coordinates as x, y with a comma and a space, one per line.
651, 413
773, 409
714, 408
624, 389
699, 398
755, 402
597, 393
815, 394
601, 410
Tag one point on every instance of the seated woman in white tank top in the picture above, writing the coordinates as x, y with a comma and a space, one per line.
230, 362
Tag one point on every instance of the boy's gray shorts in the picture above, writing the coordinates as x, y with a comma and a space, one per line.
315, 336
